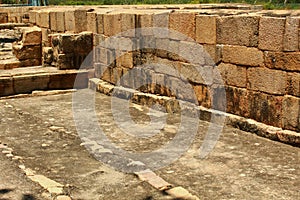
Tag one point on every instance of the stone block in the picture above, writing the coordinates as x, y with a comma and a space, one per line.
242, 55
47, 56
53, 21
44, 19
45, 37
60, 21
197, 74
91, 22
32, 17
291, 113
67, 80
203, 95
267, 80
162, 45
100, 23
70, 20
128, 25
65, 61
3, 17
29, 83
265, 108
111, 24
288, 61
291, 34
30, 62
271, 31
206, 29
80, 20
184, 23
214, 53
27, 52
6, 86
126, 60
237, 101
191, 52
98, 39
144, 23
238, 30
293, 87
32, 36
232, 75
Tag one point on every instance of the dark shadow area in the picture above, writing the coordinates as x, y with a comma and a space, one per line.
4, 191
28, 197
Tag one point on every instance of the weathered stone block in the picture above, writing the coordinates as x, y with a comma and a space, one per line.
67, 80
27, 52
91, 22
80, 20
45, 37
267, 80
32, 36
126, 60
266, 108
128, 24
242, 55
144, 22
60, 21
6, 86
237, 101
291, 113
232, 75
206, 29
44, 19
100, 23
271, 31
214, 53
238, 30
183, 22
203, 95
65, 61
98, 39
3, 17
30, 62
70, 20
293, 87
191, 52
29, 83
53, 21
47, 56
32, 17
111, 24
291, 34
281, 60
197, 74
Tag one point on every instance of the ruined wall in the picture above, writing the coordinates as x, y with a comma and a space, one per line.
256, 52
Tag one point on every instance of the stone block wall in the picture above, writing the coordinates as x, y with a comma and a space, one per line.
256, 53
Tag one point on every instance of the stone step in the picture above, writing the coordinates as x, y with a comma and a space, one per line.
9, 62
29, 79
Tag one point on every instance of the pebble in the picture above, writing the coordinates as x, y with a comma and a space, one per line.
63, 197
45, 145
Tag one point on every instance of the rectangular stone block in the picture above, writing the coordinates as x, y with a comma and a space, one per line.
237, 101
3, 17
214, 53
266, 108
242, 55
161, 20
32, 36
291, 34
45, 19
80, 20
126, 60
197, 74
202, 93
27, 52
29, 83
65, 61
231, 74
100, 25
70, 20
293, 87
206, 29
238, 30
53, 21
67, 80
267, 80
6, 86
128, 24
111, 24
91, 22
32, 17
271, 31
288, 61
291, 113
183, 22
144, 21
60, 21
30, 62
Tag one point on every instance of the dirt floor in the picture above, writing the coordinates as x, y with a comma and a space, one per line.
42, 132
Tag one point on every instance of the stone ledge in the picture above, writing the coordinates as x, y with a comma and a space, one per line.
172, 106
